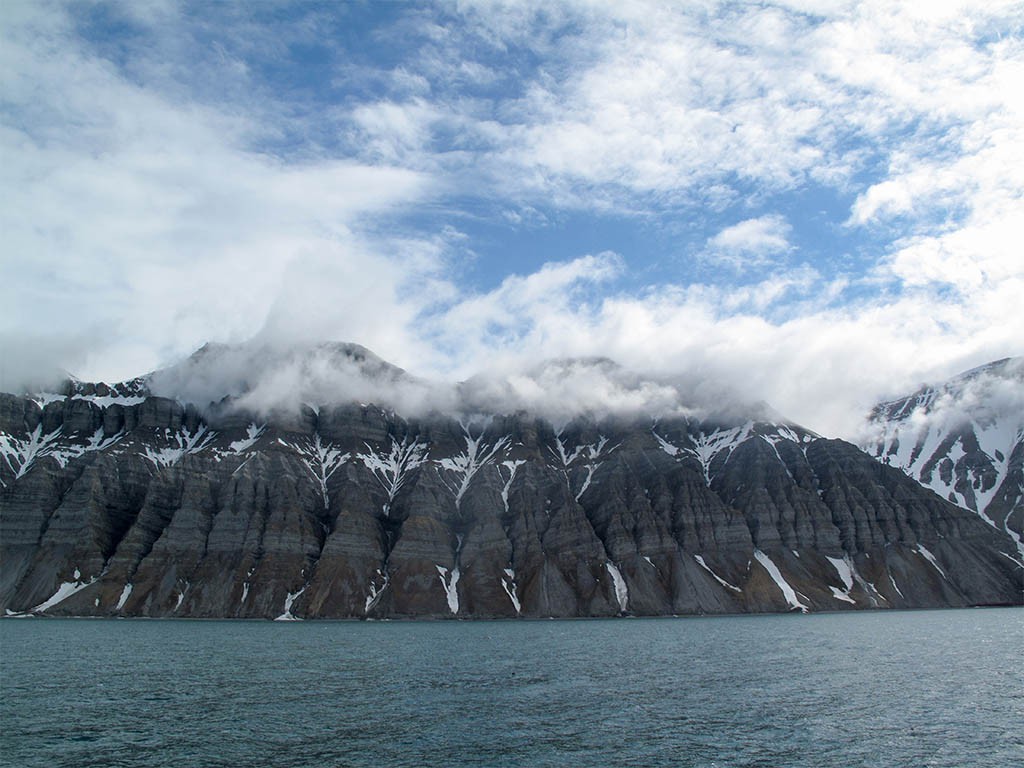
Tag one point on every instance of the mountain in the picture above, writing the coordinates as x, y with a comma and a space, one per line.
323, 482
964, 439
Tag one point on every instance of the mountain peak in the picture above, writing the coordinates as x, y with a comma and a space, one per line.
261, 375
964, 439
265, 377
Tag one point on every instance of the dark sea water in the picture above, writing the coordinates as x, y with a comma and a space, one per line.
942, 688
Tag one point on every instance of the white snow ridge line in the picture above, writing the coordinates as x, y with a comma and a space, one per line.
787, 591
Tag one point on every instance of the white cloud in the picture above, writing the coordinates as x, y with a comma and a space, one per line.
662, 102
146, 213
537, 314
392, 131
822, 365
145, 224
749, 243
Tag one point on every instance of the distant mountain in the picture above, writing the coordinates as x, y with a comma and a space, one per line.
321, 481
964, 439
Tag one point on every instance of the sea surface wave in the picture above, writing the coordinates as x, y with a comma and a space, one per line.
929, 688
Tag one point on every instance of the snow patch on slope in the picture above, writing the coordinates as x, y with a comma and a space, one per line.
64, 591
287, 615
787, 591
719, 579
512, 467
587, 456
509, 585
391, 468
927, 555
706, 445
21, 454
253, 433
619, 583
321, 459
451, 587
462, 467
374, 591
179, 444
125, 594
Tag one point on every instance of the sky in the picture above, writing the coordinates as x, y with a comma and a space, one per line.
816, 203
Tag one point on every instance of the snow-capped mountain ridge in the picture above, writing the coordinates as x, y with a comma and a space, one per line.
932, 396
115, 501
964, 439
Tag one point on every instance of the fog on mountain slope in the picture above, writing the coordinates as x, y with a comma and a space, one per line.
983, 393
266, 378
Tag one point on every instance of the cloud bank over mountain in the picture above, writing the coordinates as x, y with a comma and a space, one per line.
818, 203
268, 379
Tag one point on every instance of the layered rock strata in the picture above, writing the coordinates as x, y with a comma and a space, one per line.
119, 503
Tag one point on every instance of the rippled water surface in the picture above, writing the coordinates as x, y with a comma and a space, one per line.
940, 688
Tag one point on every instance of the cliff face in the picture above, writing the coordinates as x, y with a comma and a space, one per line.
118, 503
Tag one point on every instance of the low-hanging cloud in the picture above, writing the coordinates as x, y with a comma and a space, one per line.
36, 362
991, 397
267, 378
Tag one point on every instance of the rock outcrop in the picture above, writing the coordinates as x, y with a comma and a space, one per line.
117, 502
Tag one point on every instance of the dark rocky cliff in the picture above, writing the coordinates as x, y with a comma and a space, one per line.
115, 503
